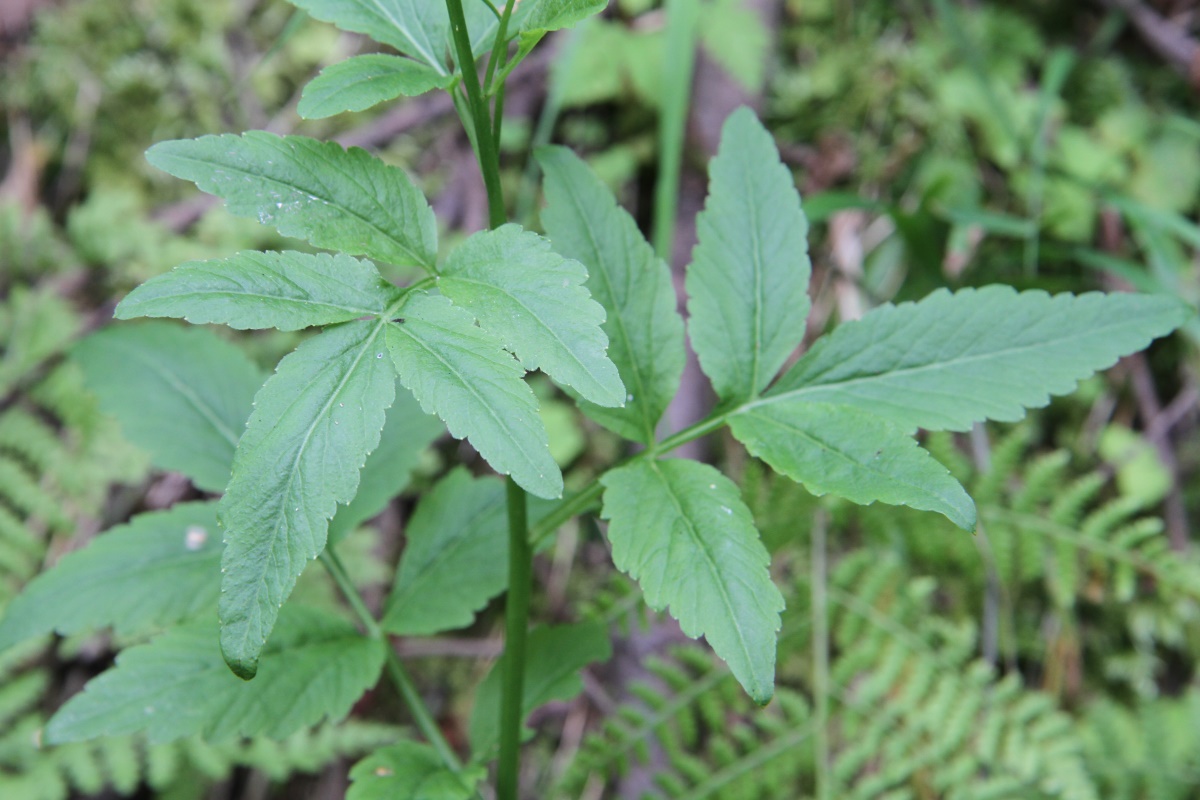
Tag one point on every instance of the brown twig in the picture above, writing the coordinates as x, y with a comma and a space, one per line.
1158, 422
1167, 40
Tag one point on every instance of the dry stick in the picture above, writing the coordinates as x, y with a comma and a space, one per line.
1175, 510
1167, 40
448, 648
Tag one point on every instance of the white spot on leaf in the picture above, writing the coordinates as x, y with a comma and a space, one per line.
195, 537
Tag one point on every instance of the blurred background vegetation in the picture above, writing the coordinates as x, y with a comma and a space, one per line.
1050, 144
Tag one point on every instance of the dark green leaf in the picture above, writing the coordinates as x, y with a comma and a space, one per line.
287, 290
534, 300
411, 770
463, 374
458, 538
363, 81
748, 281
160, 568
339, 199
554, 658
182, 394
314, 423
681, 530
315, 667
955, 359
634, 287
853, 454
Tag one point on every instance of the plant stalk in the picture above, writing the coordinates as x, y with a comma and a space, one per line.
679, 62
485, 145
586, 498
516, 626
520, 553
820, 653
408, 691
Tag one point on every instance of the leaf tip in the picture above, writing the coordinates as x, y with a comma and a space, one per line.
245, 669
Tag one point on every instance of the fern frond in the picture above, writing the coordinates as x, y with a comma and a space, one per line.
918, 719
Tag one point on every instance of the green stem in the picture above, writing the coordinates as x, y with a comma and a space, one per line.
485, 145
516, 626
709, 424
520, 554
679, 61
499, 47
820, 623
586, 498
396, 672
570, 507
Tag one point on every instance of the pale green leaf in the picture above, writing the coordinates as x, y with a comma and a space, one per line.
363, 81
554, 658
407, 432
411, 770
457, 537
158, 569
534, 300
463, 374
314, 668
182, 394
734, 35
644, 329
287, 290
314, 423
338, 199
954, 359
414, 27
552, 15
748, 282
680, 529
851, 453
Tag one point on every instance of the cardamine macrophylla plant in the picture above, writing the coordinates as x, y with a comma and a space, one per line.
305, 455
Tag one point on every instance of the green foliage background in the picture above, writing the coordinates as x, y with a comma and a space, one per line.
1054, 652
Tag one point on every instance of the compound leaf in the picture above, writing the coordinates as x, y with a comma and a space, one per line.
363, 81
954, 359
338, 199
534, 300
287, 290
748, 282
158, 569
554, 657
407, 431
463, 374
457, 537
681, 530
314, 423
182, 394
644, 329
411, 770
853, 454
315, 667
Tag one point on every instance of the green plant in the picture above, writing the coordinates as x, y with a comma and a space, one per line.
328, 439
